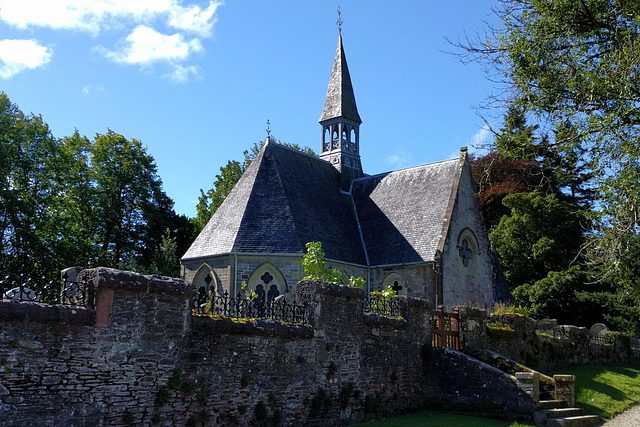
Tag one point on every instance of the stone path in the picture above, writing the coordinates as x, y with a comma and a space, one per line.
629, 418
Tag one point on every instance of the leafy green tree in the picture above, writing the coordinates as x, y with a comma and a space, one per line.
542, 234
125, 179
497, 176
517, 139
209, 202
166, 261
29, 192
576, 62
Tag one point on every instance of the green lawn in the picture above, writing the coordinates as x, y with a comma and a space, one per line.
606, 390
439, 419
600, 390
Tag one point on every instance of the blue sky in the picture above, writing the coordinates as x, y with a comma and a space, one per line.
196, 81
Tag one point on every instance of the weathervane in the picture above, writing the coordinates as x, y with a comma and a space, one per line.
268, 131
339, 22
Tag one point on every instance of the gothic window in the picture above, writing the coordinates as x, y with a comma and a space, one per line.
397, 282
260, 293
267, 282
273, 293
345, 135
467, 248
465, 253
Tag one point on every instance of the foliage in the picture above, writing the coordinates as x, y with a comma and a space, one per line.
251, 295
76, 201
314, 265
497, 176
385, 293
166, 261
574, 63
504, 308
554, 297
542, 234
357, 282
520, 161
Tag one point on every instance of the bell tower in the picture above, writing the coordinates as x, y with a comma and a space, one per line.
340, 121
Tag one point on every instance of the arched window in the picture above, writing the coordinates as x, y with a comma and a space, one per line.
326, 142
345, 133
207, 284
397, 282
268, 282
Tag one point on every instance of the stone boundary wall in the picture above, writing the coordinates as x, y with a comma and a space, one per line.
541, 345
462, 383
141, 358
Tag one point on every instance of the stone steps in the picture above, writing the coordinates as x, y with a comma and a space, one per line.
554, 413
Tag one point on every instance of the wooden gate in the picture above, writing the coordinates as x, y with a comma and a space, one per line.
445, 329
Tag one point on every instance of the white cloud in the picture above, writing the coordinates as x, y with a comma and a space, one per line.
399, 160
481, 137
146, 21
88, 89
145, 46
20, 55
181, 74
194, 20
95, 15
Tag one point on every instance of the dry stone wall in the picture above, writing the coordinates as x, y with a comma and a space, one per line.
141, 358
541, 345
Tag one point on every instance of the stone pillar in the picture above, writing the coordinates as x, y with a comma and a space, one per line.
529, 382
566, 388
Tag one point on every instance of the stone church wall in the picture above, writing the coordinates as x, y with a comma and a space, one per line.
470, 284
142, 359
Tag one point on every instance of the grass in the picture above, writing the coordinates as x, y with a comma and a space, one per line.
600, 390
606, 390
439, 419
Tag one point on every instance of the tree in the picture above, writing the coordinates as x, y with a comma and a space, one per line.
541, 235
498, 176
30, 192
166, 261
209, 202
576, 62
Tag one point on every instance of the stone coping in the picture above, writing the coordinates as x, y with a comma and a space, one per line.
109, 278
218, 325
344, 291
380, 319
27, 311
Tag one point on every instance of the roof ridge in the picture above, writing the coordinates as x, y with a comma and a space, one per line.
404, 169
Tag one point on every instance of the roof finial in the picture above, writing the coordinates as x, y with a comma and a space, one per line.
268, 132
339, 21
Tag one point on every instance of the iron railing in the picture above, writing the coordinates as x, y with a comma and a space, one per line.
66, 292
208, 303
382, 305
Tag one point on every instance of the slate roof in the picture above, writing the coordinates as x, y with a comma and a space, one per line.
286, 199
340, 100
402, 213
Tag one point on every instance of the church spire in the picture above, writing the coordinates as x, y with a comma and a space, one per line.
340, 121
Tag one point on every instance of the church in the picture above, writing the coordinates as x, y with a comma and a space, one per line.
419, 230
